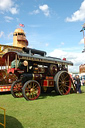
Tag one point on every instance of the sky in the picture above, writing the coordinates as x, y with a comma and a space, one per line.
50, 25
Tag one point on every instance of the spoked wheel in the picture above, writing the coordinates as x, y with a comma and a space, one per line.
31, 90
16, 89
62, 83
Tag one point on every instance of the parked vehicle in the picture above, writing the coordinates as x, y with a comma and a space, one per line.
36, 72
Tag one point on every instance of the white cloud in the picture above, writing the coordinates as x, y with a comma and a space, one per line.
79, 15
10, 35
8, 19
13, 10
1, 34
8, 6
76, 58
45, 9
34, 12
81, 41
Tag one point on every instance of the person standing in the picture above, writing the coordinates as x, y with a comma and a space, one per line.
78, 84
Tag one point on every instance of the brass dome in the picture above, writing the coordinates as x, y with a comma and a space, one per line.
19, 30
19, 38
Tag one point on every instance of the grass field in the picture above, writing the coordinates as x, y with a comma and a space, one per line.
48, 111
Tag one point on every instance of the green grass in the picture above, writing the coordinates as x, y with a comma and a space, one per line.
49, 111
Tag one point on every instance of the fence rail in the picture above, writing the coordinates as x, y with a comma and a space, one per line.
4, 117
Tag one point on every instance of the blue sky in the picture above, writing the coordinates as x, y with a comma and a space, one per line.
50, 25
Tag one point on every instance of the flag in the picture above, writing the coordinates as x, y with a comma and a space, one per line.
21, 25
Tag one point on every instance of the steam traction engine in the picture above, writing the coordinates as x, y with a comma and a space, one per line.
37, 72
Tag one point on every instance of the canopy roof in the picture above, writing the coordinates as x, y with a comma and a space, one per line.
38, 58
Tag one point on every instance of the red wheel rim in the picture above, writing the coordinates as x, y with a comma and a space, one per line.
32, 90
17, 89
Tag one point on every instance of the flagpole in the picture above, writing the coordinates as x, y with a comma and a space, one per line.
83, 28
84, 40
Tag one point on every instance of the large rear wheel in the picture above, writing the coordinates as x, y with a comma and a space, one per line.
62, 83
31, 90
16, 89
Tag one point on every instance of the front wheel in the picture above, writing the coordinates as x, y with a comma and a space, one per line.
31, 90
16, 89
